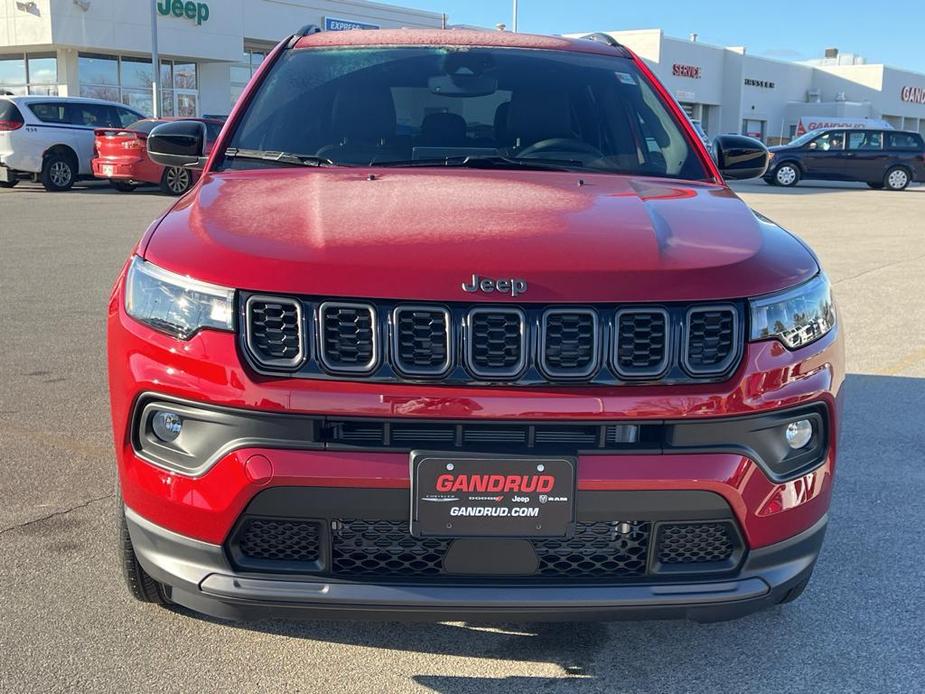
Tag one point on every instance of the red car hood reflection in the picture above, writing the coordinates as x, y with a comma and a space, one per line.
420, 233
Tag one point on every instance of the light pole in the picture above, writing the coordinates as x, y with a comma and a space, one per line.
514, 23
155, 64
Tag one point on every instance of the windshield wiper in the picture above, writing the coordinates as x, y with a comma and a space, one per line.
492, 161
280, 157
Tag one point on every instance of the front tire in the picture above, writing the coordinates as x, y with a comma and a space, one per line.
9, 184
786, 175
176, 180
140, 585
897, 178
58, 172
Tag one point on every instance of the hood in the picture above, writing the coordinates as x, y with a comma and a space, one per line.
419, 234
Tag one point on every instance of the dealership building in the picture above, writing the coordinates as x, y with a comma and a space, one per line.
730, 91
208, 48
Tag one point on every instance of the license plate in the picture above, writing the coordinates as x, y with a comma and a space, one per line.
5, 176
474, 495
107, 170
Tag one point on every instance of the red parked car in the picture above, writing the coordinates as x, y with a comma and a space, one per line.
121, 155
469, 325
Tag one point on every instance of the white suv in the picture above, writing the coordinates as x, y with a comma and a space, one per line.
51, 138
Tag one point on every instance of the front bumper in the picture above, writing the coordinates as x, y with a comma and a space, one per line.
202, 579
181, 522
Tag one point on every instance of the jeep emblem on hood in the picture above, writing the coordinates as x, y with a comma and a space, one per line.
512, 286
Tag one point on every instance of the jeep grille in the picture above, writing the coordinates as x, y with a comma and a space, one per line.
486, 343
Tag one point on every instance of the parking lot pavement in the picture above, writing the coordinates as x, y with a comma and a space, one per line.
66, 622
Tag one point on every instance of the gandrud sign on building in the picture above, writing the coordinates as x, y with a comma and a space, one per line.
914, 95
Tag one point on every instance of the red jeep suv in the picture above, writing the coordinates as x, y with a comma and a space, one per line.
462, 325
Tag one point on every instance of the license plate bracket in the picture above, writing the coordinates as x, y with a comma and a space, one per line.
489, 495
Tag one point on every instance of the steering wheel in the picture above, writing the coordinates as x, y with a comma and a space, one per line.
562, 144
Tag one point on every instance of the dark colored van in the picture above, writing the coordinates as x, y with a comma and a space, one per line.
889, 159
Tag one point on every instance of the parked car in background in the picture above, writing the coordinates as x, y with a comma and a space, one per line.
880, 158
121, 155
50, 138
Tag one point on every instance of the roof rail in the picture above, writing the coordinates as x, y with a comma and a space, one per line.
601, 37
307, 30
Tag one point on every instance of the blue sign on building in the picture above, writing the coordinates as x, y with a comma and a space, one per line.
332, 24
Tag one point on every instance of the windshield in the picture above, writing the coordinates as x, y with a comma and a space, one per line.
449, 106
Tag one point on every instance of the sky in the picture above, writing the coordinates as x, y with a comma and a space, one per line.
883, 32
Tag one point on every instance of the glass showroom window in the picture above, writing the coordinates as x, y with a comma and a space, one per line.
99, 76
128, 80
241, 72
186, 89
34, 73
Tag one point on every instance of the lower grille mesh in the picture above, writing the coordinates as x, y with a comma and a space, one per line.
694, 543
385, 549
598, 550
280, 540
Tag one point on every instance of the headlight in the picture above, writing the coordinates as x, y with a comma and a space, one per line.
175, 304
797, 316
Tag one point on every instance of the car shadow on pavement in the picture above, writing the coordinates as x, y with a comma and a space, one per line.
819, 187
89, 187
856, 628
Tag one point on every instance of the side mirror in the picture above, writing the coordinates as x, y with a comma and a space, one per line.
740, 157
179, 143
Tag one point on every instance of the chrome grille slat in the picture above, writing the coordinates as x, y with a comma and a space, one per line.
641, 347
348, 337
496, 342
711, 338
421, 340
274, 331
569, 343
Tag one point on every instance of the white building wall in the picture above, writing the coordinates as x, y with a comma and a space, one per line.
124, 26
766, 87
21, 27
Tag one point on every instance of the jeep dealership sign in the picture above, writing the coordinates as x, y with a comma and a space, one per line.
196, 11
913, 95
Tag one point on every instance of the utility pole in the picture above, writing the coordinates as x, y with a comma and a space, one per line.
155, 64
514, 23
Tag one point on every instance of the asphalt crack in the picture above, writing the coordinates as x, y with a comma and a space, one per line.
56, 514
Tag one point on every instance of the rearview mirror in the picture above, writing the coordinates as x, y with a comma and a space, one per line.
740, 157
179, 143
462, 85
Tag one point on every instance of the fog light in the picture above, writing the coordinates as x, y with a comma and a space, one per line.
799, 433
167, 426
